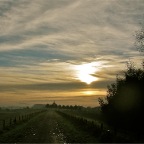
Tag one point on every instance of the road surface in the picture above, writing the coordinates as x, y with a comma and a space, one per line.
47, 127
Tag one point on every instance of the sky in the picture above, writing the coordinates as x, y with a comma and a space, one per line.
66, 51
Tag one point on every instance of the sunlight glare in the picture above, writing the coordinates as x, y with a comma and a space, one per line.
85, 72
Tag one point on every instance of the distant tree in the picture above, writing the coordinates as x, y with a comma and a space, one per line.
140, 40
59, 106
63, 107
27, 107
71, 107
47, 105
54, 105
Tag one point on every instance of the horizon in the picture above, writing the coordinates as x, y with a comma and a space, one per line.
65, 51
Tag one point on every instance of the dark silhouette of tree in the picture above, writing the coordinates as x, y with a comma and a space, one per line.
123, 105
47, 105
140, 40
54, 105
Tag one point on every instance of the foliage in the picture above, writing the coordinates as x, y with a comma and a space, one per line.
124, 103
140, 40
54, 105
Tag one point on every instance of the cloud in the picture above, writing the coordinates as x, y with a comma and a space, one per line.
73, 23
57, 87
41, 41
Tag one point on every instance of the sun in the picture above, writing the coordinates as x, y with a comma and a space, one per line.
85, 72
87, 78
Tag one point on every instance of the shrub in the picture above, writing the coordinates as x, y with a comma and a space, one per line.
123, 105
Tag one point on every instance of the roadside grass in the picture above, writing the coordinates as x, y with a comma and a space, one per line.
89, 115
11, 118
47, 127
74, 133
95, 130
7, 114
58, 126
15, 133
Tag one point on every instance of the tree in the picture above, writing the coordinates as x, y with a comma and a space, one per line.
123, 105
140, 40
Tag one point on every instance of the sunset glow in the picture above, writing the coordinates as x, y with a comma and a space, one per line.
88, 92
66, 51
85, 72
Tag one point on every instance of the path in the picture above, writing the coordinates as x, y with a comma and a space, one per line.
43, 129
48, 127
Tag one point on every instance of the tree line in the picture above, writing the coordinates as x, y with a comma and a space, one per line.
54, 105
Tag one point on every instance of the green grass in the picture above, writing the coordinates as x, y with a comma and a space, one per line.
7, 114
15, 134
63, 126
90, 115
12, 117
74, 132
94, 128
47, 127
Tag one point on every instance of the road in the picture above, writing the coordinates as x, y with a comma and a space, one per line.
47, 127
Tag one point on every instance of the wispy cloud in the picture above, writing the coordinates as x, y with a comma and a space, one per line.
42, 41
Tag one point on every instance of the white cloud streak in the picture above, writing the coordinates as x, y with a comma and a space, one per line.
41, 40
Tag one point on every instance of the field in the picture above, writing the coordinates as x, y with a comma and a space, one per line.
55, 126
